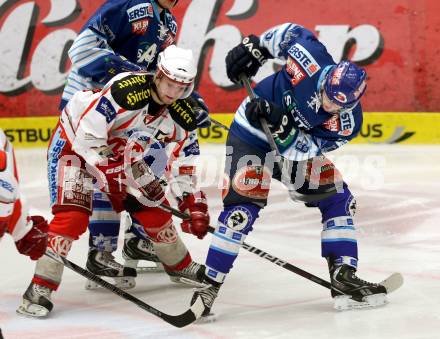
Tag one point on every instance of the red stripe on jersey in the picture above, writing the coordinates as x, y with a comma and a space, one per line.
88, 109
2, 160
126, 124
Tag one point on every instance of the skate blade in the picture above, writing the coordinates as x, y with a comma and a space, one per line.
345, 303
210, 318
151, 266
158, 268
29, 309
187, 282
124, 283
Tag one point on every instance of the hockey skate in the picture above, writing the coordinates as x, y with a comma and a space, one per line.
350, 292
136, 249
205, 297
192, 275
36, 301
103, 264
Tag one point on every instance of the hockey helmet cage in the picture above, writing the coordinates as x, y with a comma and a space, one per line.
345, 84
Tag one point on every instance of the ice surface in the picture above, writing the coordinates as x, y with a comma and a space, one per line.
397, 190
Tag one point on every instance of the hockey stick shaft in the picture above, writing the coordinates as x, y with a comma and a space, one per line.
273, 146
219, 124
259, 252
181, 320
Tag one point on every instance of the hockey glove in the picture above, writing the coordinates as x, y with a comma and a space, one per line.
196, 206
200, 110
113, 170
4, 222
260, 108
115, 64
246, 58
34, 243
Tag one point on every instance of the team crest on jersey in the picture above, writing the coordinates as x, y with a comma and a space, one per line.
106, 109
294, 71
304, 59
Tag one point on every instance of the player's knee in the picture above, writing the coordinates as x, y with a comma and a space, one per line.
70, 224
157, 223
316, 176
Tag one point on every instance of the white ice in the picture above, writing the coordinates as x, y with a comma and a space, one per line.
397, 189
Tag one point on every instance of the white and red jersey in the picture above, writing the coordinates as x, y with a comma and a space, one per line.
13, 217
123, 116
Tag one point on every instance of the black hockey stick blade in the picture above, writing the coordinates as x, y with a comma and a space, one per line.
180, 320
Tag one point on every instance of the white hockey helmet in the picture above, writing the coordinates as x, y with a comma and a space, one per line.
177, 64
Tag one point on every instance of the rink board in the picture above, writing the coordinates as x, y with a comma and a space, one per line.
378, 128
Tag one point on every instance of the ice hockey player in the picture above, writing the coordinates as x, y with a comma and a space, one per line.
29, 232
120, 36
118, 136
312, 107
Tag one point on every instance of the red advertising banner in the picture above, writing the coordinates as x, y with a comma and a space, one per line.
397, 41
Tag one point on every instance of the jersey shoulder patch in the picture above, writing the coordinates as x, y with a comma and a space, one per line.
182, 113
133, 91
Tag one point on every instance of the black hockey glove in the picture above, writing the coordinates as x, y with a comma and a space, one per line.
115, 64
246, 58
260, 108
201, 111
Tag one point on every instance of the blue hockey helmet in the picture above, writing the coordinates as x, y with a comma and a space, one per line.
345, 84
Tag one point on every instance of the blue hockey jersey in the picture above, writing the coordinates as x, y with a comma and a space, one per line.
307, 129
120, 36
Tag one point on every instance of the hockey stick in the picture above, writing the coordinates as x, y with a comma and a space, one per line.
307, 198
180, 320
219, 124
257, 251
391, 283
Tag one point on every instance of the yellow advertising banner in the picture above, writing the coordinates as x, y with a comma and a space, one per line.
377, 128
29, 132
